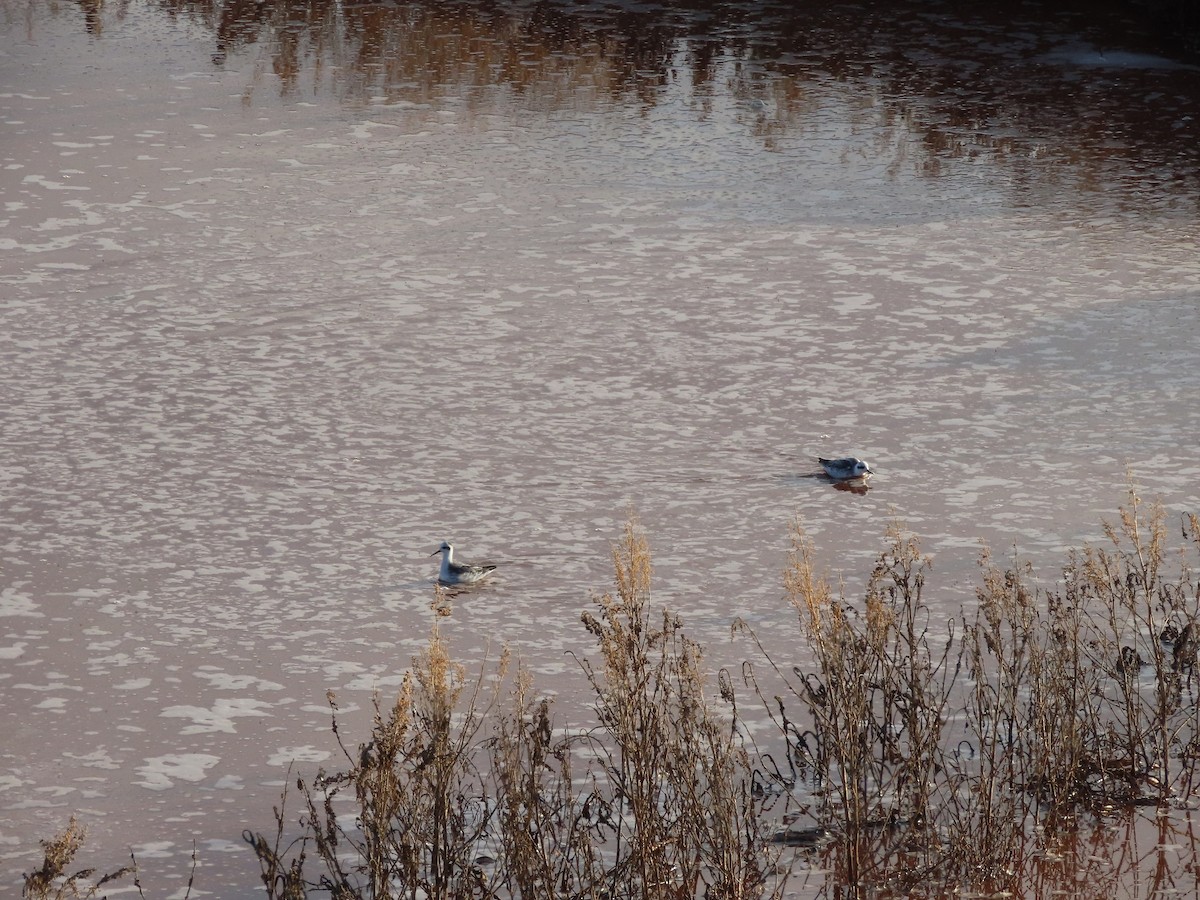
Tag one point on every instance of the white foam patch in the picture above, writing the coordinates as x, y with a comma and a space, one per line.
161, 772
133, 684
219, 845
223, 681
9, 782
56, 791
43, 181
219, 718
372, 682
342, 708
154, 850
285, 756
97, 759
56, 686
18, 603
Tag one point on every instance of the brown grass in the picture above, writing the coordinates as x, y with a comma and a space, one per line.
1071, 703
656, 802
53, 882
988, 753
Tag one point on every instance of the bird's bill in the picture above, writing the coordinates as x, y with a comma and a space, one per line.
436, 552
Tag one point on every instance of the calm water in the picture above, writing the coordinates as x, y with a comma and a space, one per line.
290, 295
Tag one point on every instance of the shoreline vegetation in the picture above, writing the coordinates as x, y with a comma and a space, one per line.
905, 756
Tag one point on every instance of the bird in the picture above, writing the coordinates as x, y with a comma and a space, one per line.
459, 573
846, 468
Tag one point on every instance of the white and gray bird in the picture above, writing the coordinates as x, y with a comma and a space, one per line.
845, 468
459, 573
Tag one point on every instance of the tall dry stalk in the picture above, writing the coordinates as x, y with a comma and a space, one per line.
915, 674
877, 700
420, 802
684, 817
546, 826
988, 809
663, 805
1144, 727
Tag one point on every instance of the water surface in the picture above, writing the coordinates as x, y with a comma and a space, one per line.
293, 293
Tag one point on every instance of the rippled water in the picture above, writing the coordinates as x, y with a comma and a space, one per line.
290, 295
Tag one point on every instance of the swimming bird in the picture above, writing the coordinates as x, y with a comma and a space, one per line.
845, 468
459, 573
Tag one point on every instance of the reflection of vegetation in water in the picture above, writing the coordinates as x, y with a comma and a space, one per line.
911, 757
964, 84
420, 52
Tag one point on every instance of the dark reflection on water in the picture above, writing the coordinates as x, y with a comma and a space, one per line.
1132, 853
1084, 87
1075, 88
1135, 853
851, 487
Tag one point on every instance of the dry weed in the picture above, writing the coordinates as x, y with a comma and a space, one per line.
935, 758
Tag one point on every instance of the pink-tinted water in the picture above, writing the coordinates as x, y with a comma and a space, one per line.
285, 308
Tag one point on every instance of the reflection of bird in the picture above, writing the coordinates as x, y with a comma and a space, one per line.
1183, 651
459, 573
852, 486
1128, 661
845, 468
